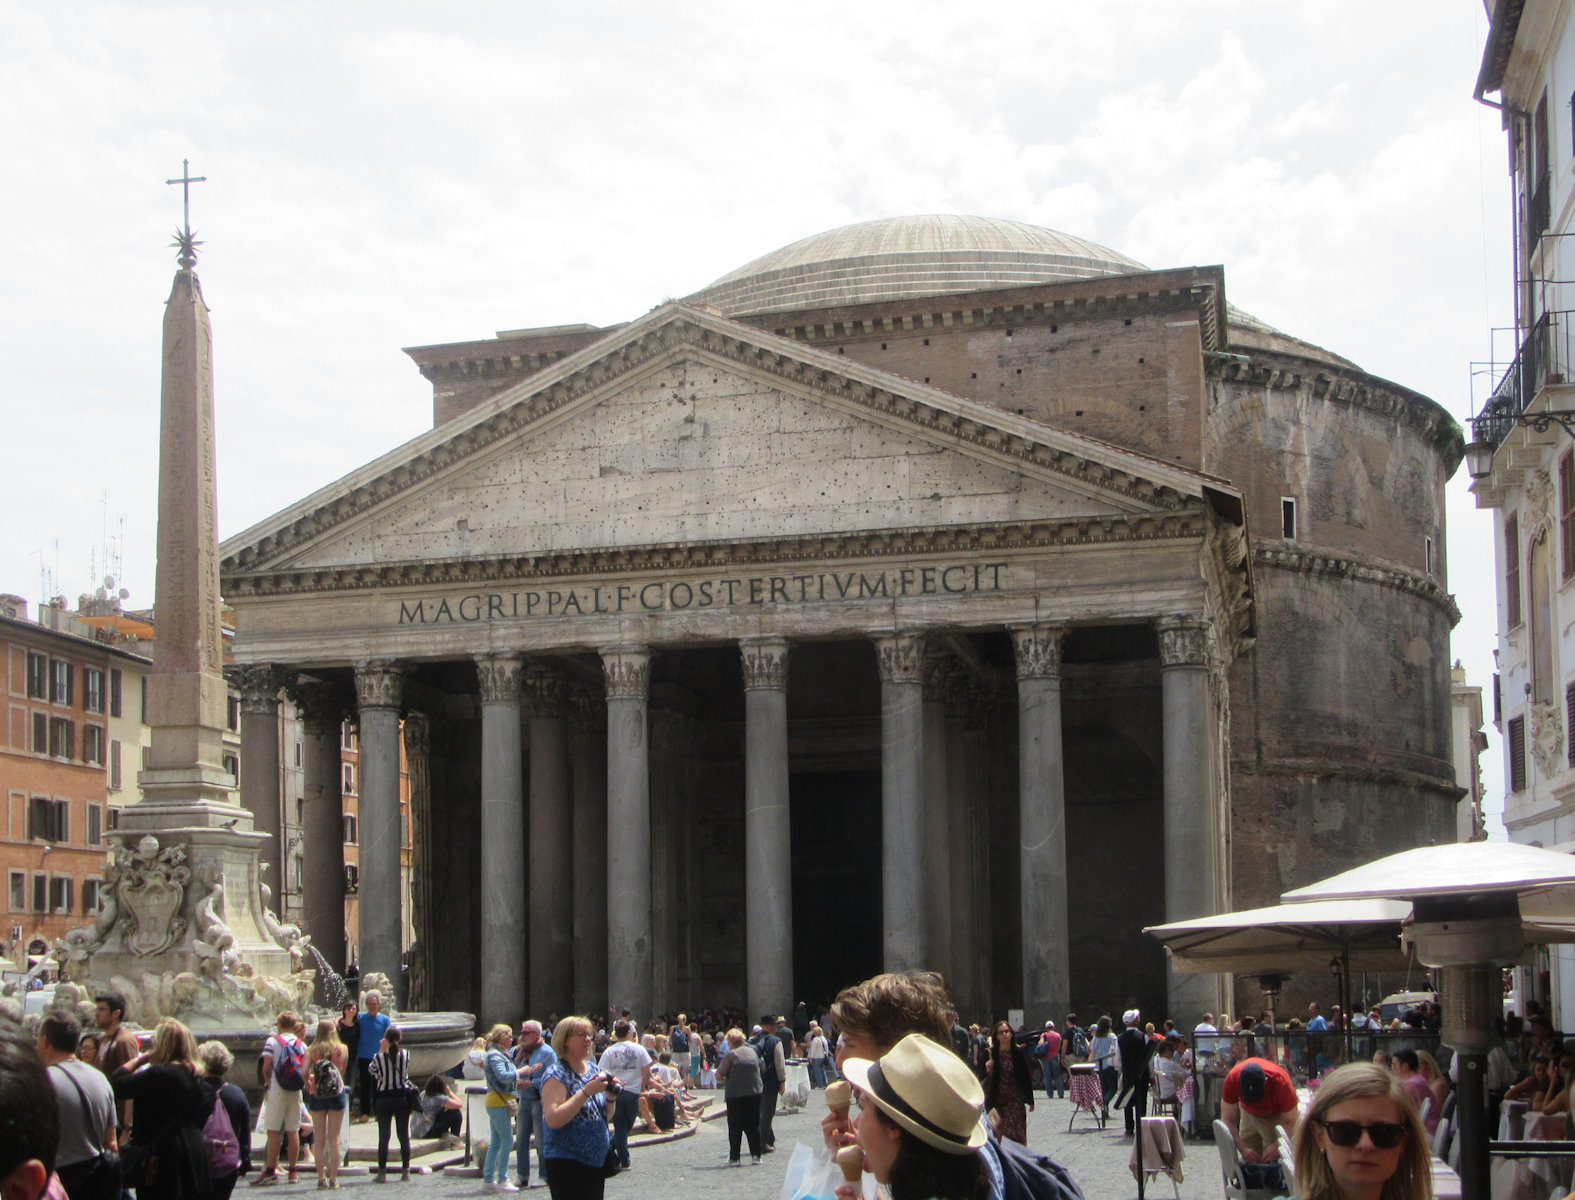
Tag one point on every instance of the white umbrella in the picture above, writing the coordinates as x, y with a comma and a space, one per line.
1453, 869
1285, 938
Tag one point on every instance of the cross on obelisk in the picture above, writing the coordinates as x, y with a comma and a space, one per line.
184, 242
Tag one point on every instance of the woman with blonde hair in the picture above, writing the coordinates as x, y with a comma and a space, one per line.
327, 1096
1362, 1140
575, 1140
172, 1106
503, 1082
1437, 1083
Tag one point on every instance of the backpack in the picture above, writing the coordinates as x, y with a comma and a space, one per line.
1026, 1175
327, 1082
218, 1138
289, 1064
766, 1047
1079, 1042
678, 1041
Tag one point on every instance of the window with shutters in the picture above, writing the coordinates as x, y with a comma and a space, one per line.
93, 689
90, 897
349, 830
93, 744
232, 714
19, 891
348, 782
40, 733
59, 681
49, 820
1512, 570
115, 682
95, 830
1567, 513
114, 765
62, 737
40, 893
1569, 716
60, 893
1517, 754
37, 676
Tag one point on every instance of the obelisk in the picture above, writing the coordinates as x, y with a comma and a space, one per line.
188, 800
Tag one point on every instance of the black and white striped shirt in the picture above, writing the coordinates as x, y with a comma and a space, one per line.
390, 1070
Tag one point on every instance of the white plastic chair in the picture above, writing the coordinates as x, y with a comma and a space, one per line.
1230, 1167
1287, 1160
1442, 1136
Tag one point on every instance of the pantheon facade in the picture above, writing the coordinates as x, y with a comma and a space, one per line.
937, 592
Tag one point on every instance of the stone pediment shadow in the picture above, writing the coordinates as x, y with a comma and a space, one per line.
687, 430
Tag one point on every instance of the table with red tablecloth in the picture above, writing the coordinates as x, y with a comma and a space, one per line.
1085, 1093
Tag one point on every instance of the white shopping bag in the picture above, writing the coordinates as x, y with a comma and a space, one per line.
813, 1175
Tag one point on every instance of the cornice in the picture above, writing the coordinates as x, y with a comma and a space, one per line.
1107, 529
1381, 574
1025, 445
1359, 772
1283, 370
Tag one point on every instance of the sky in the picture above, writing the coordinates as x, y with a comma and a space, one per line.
393, 174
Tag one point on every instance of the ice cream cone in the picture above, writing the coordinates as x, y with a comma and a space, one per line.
851, 1160
839, 1096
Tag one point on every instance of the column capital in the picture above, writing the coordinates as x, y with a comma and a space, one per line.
499, 675
258, 685
418, 735
1037, 649
544, 691
587, 710
323, 706
379, 683
628, 672
938, 669
900, 657
765, 662
1183, 640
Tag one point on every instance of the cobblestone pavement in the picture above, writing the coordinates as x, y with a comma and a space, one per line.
693, 1165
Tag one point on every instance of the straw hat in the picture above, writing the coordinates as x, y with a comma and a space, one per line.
926, 1089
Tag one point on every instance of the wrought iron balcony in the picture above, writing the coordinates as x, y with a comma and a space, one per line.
1544, 357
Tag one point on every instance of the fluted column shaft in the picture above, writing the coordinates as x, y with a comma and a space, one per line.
261, 787
379, 694
551, 831
1042, 824
588, 749
323, 710
768, 828
905, 944
629, 983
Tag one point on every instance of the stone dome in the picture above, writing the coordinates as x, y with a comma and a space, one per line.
899, 258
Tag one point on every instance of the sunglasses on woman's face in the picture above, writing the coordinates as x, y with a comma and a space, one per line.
1386, 1135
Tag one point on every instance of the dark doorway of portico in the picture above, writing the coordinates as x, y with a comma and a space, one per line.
836, 882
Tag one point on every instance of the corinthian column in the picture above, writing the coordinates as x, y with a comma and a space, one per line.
323, 708
937, 863
768, 830
588, 749
551, 833
502, 841
379, 686
261, 792
628, 674
901, 661
1191, 834
1042, 824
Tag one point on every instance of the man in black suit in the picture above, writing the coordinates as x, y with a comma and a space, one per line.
1133, 1048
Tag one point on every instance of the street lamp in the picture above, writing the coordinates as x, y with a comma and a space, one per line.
1479, 451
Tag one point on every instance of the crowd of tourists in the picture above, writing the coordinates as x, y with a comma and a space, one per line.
939, 1109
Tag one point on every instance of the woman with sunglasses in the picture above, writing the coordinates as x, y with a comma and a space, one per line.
1362, 1140
1007, 1090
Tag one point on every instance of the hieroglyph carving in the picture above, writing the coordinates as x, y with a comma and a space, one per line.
152, 885
627, 671
765, 663
500, 678
1038, 650
1547, 738
900, 657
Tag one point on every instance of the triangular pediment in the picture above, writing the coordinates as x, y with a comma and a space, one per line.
685, 429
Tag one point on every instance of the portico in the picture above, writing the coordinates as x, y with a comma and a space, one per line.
753, 672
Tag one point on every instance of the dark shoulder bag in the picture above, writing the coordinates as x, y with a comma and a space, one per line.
96, 1178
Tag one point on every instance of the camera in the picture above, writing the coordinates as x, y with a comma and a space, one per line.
613, 1086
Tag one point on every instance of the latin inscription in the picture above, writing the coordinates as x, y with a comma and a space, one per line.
722, 592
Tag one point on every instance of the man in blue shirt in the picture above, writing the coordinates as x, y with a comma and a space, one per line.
534, 1058
374, 1024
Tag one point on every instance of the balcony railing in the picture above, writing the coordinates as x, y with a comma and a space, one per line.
1545, 357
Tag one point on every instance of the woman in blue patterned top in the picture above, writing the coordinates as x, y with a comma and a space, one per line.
574, 1110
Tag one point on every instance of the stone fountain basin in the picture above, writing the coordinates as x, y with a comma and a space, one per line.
436, 1042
